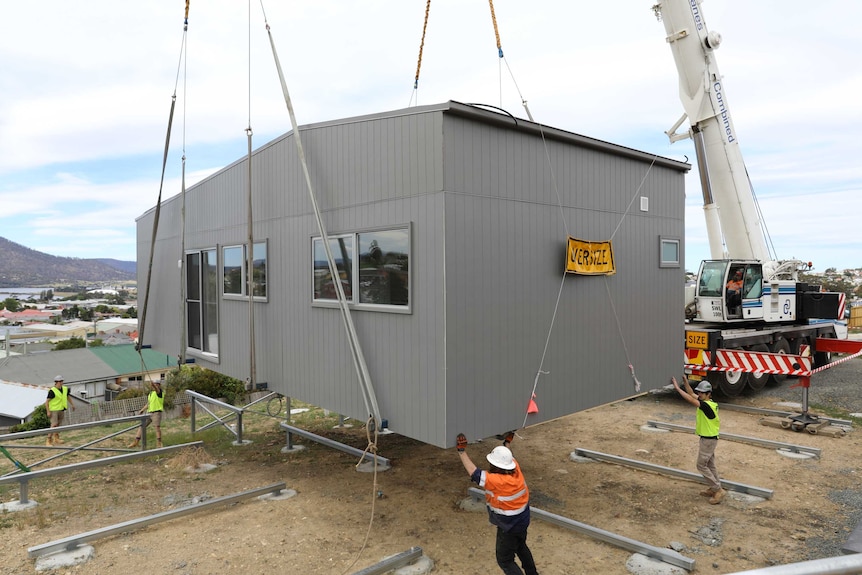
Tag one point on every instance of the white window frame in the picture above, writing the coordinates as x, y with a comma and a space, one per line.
352, 301
669, 241
244, 272
208, 354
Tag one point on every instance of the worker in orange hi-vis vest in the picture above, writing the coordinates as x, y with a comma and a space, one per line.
508, 501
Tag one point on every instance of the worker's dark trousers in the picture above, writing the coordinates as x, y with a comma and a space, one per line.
509, 545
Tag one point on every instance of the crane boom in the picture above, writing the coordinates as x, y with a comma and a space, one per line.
744, 304
731, 213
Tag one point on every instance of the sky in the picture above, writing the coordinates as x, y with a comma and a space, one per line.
86, 91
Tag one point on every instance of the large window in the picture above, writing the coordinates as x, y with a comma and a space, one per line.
202, 300
235, 271
379, 276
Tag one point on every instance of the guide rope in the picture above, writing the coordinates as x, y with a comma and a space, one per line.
143, 315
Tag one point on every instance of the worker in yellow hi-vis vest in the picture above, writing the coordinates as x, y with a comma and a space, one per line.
155, 406
55, 408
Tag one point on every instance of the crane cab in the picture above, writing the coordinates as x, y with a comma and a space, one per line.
734, 291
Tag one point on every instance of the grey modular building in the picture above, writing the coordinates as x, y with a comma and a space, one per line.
449, 226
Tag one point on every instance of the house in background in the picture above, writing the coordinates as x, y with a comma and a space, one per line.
449, 226
19, 401
98, 373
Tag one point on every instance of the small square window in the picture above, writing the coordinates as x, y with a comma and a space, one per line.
669, 252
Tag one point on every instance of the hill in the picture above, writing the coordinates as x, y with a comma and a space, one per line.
21, 267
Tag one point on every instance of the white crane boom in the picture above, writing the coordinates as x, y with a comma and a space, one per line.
728, 199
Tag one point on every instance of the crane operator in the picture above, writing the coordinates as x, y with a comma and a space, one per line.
734, 289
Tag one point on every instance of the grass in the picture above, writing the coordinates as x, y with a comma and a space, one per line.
836, 413
258, 427
106, 486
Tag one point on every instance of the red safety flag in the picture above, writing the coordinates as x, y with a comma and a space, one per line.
532, 407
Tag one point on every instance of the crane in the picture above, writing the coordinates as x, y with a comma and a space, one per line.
743, 298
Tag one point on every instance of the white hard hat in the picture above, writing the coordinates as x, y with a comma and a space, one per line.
501, 457
704, 387
58, 378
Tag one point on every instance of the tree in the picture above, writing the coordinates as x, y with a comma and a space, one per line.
12, 304
71, 312
205, 381
71, 343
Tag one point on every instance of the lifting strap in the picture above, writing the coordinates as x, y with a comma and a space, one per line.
143, 315
353, 339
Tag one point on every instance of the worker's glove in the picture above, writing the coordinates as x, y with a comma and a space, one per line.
508, 437
461, 442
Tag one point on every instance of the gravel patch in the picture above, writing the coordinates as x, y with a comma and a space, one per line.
837, 387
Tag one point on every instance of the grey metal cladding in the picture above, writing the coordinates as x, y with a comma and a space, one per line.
489, 203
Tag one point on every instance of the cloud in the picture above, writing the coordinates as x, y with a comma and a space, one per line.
84, 104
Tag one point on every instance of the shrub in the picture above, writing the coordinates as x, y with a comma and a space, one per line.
40, 420
210, 383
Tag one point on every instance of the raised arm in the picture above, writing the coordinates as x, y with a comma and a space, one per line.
687, 393
461, 444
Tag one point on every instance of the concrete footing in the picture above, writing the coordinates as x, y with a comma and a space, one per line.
368, 466
80, 554
419, 567
284, 494
638, 564
17, 506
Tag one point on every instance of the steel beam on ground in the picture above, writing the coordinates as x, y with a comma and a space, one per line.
660, 553
762, 411
23, 478
334, 444
815, 451
69, 543
840, 565
394, 562
731, 485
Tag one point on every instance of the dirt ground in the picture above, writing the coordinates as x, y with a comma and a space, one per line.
324, 529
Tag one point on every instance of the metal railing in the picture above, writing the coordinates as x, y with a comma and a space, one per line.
200, 400
66, 428
23, 479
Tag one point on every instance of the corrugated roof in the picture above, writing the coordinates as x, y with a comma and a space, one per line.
124, 359
19, 399
81, 365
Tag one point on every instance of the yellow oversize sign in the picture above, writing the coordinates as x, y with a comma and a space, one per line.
590, 258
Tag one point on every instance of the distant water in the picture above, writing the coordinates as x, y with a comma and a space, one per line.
20, 293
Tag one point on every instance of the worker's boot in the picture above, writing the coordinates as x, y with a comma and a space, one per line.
707, 492
50, 441
57, 440
134, 443
159, 443
719, 495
